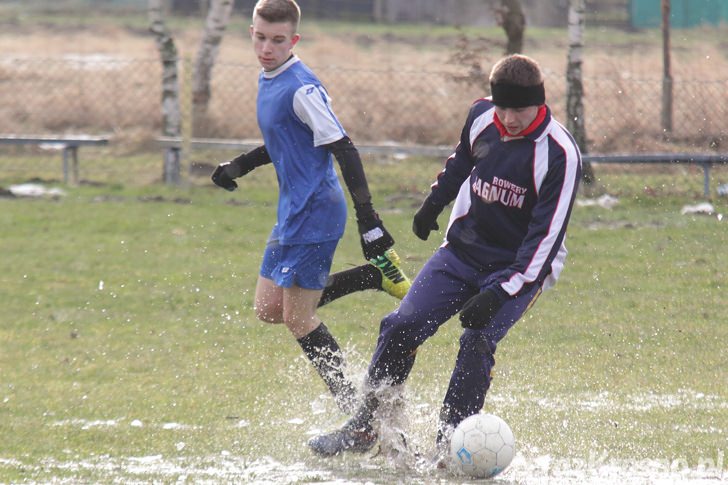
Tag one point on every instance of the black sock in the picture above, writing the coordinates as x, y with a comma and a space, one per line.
364, 277
325, 354
364, 416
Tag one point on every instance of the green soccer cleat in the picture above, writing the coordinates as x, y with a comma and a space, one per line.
394, 281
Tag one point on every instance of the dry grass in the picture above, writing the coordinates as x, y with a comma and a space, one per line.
386, 85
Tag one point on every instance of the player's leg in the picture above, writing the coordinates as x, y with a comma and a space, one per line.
471, 377
382, 273
439, 291
437, 294
268, 292
301, 271
342, 283
312, 335
268, 301
299, 310
317, 343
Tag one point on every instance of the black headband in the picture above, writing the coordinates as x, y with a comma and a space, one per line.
508, 95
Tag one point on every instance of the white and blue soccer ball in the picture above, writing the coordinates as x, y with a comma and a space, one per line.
482, 446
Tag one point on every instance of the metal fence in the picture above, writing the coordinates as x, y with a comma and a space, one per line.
96, 94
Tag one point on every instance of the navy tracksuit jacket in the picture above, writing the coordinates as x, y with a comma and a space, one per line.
513, 198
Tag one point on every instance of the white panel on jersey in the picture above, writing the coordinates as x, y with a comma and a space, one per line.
571, 164
312, 105
480, 124
540, 163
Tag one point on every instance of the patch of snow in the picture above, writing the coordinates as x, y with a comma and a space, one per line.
704, 208
605, 201
35, 190
88, 424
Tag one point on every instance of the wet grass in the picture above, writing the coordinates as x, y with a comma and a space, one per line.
127, 334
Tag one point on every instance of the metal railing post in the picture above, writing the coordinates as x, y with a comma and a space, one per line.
706, 179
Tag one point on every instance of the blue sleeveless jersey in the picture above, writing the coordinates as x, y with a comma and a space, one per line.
295, 119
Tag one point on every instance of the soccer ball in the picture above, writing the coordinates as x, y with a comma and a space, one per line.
482, 446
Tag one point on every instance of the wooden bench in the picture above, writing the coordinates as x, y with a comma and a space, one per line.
69, 144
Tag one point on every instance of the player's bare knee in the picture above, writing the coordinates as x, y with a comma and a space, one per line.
292, 319
268, 313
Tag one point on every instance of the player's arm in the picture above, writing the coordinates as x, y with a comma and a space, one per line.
445, 189
375, 239
226, 172
311, 103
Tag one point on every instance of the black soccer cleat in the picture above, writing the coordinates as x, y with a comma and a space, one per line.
353, 437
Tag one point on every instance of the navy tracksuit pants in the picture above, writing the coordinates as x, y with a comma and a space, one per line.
440, 290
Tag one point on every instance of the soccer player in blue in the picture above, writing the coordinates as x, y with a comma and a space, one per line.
300, 134
513, 179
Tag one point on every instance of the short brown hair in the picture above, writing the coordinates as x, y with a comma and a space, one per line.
516, 69
275, 11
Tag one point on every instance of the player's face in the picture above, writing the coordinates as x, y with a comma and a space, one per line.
516, 119
272, 42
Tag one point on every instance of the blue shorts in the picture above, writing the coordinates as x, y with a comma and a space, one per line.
304, 265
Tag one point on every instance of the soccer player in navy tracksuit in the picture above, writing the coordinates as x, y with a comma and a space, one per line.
513, 177
300, 133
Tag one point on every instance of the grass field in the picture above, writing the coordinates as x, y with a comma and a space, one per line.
129, 351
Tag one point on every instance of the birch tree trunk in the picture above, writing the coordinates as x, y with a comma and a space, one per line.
574, 84
218, 17
171, 113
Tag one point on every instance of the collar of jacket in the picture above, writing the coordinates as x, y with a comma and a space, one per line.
543, 116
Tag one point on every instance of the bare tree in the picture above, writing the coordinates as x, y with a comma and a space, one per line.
574, 84
218, 17
378, 11
509, 15
171, 113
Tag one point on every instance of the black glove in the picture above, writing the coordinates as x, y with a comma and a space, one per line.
480, 309
222, 178
226, 172
375, 239
425, 219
